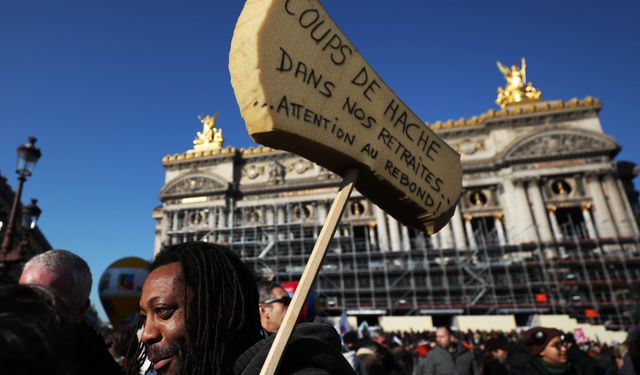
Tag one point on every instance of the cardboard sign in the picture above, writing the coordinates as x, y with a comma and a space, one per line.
304, 88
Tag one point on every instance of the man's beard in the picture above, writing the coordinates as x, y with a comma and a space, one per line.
175, 350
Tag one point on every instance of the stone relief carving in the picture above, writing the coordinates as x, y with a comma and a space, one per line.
253, 217
277, 172
252, 171
558, 143
561, 188
325, 174
302, 212
479, 198
469, 146
196, 184
300, 166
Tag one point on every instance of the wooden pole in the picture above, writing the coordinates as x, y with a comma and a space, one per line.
310, 273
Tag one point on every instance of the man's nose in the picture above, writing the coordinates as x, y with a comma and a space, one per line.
150, 332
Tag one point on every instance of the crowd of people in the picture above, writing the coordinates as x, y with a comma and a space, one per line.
538, 350
202, 311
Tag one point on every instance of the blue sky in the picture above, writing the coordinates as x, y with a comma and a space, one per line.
110, 87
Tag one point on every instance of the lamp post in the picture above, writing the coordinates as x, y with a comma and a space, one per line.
28, 155
30, 215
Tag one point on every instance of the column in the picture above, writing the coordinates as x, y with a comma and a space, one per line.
174, 227
620, 217
221, 217
212, 218
628, 209
269, 215
458, 230
322, 212
539, 211
500, 230
586, 214
372, 234
406, 240
166, 227
557, 233
436, 239
604, 223
510, 211
394, 233
381, 225
470, 237
280, 214
527, 227
174, 223
230, 220
445, 238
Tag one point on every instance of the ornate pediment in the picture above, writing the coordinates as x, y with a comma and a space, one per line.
194, 185
560, 144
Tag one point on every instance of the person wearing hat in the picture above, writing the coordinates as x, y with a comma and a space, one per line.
494, 361
548, 352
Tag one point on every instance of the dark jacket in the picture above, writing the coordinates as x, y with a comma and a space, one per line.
91, 355
584, 364
535, 368
495, 367
443, 362
313, 349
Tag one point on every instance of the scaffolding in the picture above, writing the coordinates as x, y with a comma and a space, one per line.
571, 275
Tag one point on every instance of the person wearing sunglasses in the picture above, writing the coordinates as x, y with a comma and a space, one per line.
274, 301
548, 350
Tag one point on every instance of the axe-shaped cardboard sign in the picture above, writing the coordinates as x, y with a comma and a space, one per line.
303, 87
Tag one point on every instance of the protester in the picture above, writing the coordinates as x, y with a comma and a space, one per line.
199, 316
584, 363
119, 340
447, 357
69, 278
379, 343
274, 301
34, 335
403, 359
495, 357
633, 348
350, 341
370, 361
548, 352
623, 363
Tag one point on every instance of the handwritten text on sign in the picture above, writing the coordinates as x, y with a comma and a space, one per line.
304, 88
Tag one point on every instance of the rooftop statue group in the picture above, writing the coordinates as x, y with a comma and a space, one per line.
209, 138
517, 90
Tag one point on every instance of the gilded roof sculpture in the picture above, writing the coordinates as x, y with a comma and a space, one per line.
209, 138
517, 90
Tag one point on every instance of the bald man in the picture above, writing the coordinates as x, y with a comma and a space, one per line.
68, 277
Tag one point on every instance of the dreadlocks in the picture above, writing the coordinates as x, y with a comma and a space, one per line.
222, 319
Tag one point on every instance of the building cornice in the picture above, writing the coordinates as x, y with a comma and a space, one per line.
515, 112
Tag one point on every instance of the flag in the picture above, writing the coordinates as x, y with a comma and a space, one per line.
343, 323
363, 329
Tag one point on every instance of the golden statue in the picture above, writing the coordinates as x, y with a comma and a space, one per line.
517, 90
209, 138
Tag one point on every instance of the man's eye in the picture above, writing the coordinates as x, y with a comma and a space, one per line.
165, 313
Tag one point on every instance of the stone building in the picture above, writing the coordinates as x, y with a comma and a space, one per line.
26, 242
547, 221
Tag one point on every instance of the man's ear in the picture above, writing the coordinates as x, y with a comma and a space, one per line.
264, 311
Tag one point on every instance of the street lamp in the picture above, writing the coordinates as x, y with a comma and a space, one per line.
30, 215
28, 155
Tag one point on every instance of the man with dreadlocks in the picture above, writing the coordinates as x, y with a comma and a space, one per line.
198, 316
